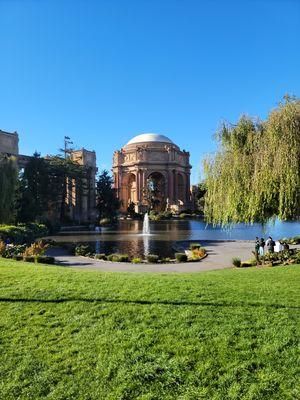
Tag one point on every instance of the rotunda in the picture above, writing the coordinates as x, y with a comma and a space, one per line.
152, 164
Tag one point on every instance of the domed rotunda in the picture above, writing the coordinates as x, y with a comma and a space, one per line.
150, 165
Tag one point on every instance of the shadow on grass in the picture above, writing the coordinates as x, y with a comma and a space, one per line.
148, 302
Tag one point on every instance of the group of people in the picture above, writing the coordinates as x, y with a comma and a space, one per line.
272, 247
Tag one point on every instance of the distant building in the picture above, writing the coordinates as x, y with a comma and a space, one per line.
154, 157
80, 204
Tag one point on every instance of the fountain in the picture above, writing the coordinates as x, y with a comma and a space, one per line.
146, 225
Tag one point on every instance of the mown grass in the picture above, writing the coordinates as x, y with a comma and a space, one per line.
74, 334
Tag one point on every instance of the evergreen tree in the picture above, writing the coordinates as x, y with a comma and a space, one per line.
8, 185
107, 202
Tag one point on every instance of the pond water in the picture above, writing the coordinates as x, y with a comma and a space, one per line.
167, 236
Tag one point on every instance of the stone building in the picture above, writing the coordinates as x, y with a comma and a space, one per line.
152, 157
80, 199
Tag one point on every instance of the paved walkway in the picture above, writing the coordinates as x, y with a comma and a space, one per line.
220, 254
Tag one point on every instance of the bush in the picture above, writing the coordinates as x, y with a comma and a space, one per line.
2, 248
123, 258
23, 233
18, 257
181, 257
118, 257
105, 222
36, 249
45, 260
29, 258
100, 256
137, 260
199, 252
194, 246
166, 260
152, 258
236, 262
83, 250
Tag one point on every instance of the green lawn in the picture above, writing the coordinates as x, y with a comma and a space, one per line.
74, 334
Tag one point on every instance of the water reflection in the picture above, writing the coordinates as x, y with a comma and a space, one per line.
127, 236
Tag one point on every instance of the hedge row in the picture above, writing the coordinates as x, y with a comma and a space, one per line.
20, 234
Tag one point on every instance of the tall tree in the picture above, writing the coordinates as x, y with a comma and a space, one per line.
34, 190
255, 174
8, 185
107, 202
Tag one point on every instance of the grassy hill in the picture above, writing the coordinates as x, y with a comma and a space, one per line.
74, 334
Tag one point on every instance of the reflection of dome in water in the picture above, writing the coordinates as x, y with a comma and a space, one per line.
149, 137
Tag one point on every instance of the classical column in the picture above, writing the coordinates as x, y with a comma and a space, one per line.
175, 186
188, 185
138, 186
170, 187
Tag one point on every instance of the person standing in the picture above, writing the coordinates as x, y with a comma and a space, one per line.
262, 247
270, 245
257, 247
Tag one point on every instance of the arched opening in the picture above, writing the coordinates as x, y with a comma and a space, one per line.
154, 193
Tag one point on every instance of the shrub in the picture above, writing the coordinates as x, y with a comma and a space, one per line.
199, 252
83, 250
29, 258
123, 258
194, 246
246, 264
152, 258
45, 260
166, 260
23, 233
2, 248
137, 260
105, 221
181, 257
118, 257
236, 262
36, 249
18, 257
100, 256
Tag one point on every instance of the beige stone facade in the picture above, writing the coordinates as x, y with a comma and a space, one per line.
147, 157
9, 143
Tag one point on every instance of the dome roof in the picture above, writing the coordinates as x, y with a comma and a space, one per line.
149, 137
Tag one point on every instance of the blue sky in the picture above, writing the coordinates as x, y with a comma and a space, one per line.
102, 72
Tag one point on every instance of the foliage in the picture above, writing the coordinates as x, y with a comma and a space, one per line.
29, 259
255, 175
22, 233
131, 209
137, 260
291, 240
45, 259
8, 186
83, 250
34, 193
107, 202
198, 252
100, 256
151, 193
152, 258
236, 262
118, 257
158, 216
199, 193
181, 257
194, 246
36, 249
78, 334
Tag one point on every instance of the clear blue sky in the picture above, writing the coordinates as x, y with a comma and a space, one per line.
104, 71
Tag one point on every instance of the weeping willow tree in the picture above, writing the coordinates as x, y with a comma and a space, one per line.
255, 174
8, 185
